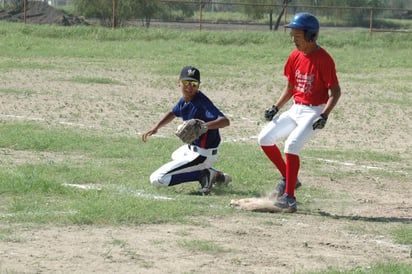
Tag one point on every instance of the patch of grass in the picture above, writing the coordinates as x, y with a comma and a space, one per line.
108, 207
7, 235
118, 168
338, 164
403, 234
381, 268
96, 80
202, 246
311, 192
31, 136
207, 47
24, 92
118, 242
353, 155
22, 65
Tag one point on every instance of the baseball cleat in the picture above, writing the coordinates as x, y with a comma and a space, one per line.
222, 179
206, 180
286, 203
281, 187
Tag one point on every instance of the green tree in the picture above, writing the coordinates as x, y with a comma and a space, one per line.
359, 16
131, 9
100, 9
16, 5
125, 10
257, 11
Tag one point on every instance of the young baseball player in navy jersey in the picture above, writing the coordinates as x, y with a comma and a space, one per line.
313, 84
193, 162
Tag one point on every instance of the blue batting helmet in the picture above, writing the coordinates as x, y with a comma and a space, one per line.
307, 22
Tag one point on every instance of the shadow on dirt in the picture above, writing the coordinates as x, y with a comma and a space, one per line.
361, 218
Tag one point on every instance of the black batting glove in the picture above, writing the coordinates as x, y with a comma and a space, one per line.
271, 112
320, 122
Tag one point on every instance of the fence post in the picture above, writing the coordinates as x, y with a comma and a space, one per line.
371, 21
114, 20
25, 11
285, 7
114, 14
200, 15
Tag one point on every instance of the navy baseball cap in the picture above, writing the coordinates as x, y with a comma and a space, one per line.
190, 73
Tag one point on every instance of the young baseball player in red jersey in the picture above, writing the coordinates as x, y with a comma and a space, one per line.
314, 87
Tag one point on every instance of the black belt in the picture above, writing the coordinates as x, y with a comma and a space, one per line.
194, 148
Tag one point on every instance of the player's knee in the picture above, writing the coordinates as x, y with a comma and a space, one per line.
292, 148
264, 140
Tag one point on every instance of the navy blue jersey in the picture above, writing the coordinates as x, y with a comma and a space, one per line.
201, 107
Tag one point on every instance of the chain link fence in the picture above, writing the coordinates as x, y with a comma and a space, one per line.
214, 15
228, 15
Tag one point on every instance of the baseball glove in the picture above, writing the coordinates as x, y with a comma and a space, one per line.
190, 130
271, 112
320, 122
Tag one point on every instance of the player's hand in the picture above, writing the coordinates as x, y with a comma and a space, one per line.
320, 122
147, 134
271, 112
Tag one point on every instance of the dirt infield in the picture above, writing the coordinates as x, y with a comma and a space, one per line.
346, 232
251, 244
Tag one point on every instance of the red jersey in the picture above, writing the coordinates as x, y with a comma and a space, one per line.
311, 75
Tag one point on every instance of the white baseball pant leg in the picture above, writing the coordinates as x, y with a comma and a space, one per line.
295, 124
184, 160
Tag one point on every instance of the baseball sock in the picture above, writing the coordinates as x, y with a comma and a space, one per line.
274, 154
292, 169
